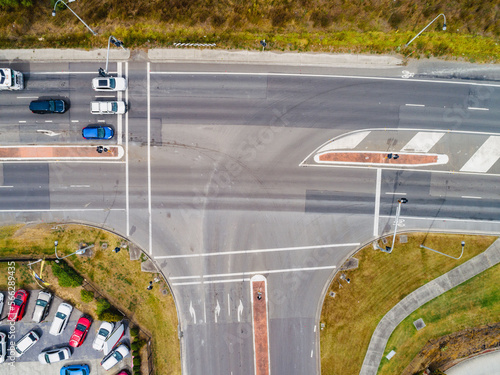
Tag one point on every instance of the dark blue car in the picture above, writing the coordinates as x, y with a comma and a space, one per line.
48, 106
75, 370
98, 132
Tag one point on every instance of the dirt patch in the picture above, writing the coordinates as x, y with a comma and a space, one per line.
446, 351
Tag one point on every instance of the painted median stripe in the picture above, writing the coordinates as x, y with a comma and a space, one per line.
484, 158
423, 141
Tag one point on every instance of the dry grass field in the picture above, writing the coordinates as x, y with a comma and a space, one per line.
364, 26
380, 282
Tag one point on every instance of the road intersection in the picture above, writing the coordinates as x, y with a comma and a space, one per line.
216, 184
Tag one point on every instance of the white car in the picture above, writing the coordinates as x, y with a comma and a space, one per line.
108, 108
54, 355
42, 306
1, 303
3, 346
109, 84
104, 332
61, 319
25, 343
115, 356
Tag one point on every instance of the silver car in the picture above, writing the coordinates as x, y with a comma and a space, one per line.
42, 306
3, 346
54, 355
25, 343
61, 319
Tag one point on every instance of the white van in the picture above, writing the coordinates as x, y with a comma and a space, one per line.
26, 342
113, 339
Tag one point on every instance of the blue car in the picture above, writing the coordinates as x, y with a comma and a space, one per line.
98, 132
75, 370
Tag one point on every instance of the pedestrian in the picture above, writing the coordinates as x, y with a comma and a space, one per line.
396, 156
389, 156
150, 286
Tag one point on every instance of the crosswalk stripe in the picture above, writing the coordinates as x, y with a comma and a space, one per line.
350, 141
484, 158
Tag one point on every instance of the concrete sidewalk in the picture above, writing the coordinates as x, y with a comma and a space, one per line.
421, 296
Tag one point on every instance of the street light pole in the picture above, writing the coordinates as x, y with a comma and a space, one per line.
444, 28
117, 43
79, 251
67, 6
446, 255
398, 211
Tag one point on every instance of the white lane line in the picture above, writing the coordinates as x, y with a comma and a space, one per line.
326, 76
101, 120
27, 97
184, 277
205, 312
149, 159
485, 157
415, 105
22, 122
127, 202
478, 109
376, 215
433, 219
187, 283
6, 186
68, 210
471, 197
79, 186
392, 193
225, 281
348, 142
104, 96
65, 72
423, 141
75, 120
228, 305
312, 353
48, 120
314, 328
236, 252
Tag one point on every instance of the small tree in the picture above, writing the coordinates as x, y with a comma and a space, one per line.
87, 296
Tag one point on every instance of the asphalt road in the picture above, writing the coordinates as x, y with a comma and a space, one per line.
211, 187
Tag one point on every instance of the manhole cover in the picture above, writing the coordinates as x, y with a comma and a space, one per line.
419, 324
104, 245
332, 294
403, 238
164, 292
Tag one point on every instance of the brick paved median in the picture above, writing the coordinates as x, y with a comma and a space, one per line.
260, 327
59, 152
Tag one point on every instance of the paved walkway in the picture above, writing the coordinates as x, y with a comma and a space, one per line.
419, 297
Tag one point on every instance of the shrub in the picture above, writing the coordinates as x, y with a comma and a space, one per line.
137, 361
102, 305
137, 344
134, 331
87, 295
111, 315
66, 276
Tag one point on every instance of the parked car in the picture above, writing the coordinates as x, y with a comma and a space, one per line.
113, 339
115, 356
42, 306
61, 319
54, 355
42, 107
75, 370
1, 303
109, 84
3, 346
25, 343
98, 132
108, 108
104, 332
80, 332
18, 306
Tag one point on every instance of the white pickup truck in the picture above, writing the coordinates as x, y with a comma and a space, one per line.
11, 79
108, 108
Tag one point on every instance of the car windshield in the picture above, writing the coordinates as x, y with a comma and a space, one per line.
112, 83
103, 332
18, 302
81, 327
100, 133
114, 107
60, 315
2, 76
40, 302
117, 356
61, 355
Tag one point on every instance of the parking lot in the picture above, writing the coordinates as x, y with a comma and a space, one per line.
29, 364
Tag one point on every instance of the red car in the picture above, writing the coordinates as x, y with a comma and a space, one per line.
80, 332
18, 306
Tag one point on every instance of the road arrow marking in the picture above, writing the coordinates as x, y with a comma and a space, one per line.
217, 311
240, 310
192, 312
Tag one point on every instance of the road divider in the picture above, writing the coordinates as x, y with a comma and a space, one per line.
61, 152
260, 325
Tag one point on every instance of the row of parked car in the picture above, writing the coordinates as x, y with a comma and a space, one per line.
42, 107
106, 340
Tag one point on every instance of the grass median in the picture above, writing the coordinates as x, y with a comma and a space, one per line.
380, 282
115, 276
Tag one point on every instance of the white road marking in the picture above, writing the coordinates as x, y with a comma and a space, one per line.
127, 202
217, 311
396, 193
237, 252
315, 328
326, 76
471, 197
415, 105
423, 141
105, 96
205, 312
433, 219
27, 97
192, 312
240, 310
187, 283
6, 186
376, 215
68, 210
65, 72
101, 120
48, 120
312, 353
149, 159
75, 120
79, 186
224, 281
348, 142
484, 158
228, 305
22, 122
478, 109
